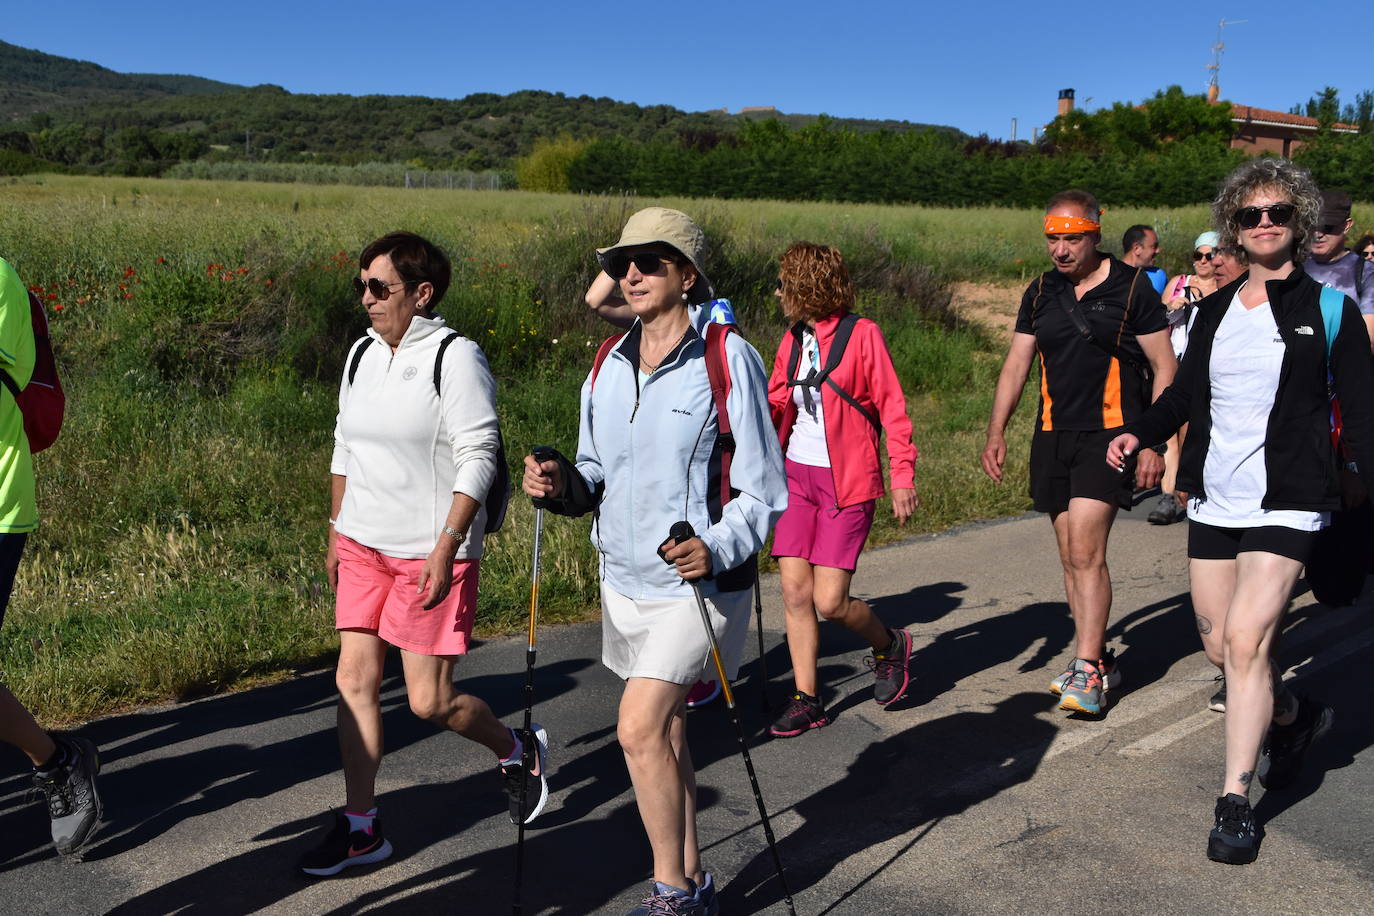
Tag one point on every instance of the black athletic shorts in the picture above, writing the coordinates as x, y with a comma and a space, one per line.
1066, 464
1212, 542
11, 548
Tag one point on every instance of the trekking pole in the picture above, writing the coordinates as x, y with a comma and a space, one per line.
682, 531
541, 454
763, 661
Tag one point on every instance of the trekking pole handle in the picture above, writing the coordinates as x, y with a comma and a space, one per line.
681, 531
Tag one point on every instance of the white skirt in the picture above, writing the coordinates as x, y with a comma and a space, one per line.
663, 638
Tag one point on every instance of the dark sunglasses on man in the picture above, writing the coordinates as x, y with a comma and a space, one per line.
379, 290
1279, 215
646, 262
1330, 230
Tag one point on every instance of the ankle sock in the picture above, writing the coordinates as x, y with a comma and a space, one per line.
362, 821
517, 753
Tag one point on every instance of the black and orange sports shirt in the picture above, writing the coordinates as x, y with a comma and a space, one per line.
1082, 386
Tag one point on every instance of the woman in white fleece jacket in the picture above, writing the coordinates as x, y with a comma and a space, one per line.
415, 452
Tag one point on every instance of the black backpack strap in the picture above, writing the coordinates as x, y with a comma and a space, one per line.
815, 378
358, 349
439, 361
10, 383
1069, 303
1359, 279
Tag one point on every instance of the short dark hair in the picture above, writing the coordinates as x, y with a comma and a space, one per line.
416, 259
1082, 198
1134, 236
1365, 241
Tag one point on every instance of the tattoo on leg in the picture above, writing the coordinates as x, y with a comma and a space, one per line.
1204, 626
1246, 777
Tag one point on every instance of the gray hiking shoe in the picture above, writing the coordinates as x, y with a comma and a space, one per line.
1166, 511
72, 795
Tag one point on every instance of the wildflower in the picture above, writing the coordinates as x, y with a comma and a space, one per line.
161, 259
242, 270
52, 296
57, 307
267, 282
129, 271
35, 289
555, 340
128, 295
122, 286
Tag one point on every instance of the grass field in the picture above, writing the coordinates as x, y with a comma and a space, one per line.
201, 328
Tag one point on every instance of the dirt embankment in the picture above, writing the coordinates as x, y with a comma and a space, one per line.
993, 305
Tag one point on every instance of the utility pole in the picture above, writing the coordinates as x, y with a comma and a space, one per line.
1013, 130
248, 143
1214, 84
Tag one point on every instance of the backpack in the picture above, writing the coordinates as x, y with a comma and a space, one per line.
1340, 557
498, 494
42, 400
718, 374
815, 378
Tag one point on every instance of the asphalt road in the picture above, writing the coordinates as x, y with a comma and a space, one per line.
974, 795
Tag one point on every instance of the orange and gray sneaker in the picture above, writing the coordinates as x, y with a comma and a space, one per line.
1085, 690
1111, 674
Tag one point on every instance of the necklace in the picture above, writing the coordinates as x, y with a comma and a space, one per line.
650, 369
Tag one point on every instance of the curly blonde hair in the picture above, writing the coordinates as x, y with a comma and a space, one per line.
1268, 173
815, 282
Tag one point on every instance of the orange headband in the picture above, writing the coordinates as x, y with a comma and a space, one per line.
1070, 225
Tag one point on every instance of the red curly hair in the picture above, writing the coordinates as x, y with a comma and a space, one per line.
815, 282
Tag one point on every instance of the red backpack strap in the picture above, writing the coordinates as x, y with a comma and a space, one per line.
602, 352
718, 373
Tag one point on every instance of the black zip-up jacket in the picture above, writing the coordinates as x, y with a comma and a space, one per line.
1300, 464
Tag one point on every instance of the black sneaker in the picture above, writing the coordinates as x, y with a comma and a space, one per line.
345, 848
1235, 838
73, 797
1286, 745
802, 713
891, 669
536, 782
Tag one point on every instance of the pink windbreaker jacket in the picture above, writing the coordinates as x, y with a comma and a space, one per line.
867, 373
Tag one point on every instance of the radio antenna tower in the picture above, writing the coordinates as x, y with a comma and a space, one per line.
1213, 86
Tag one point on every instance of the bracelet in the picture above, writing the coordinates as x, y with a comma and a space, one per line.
332, 521
459, 536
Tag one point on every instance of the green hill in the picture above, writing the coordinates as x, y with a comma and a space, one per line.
32, 82
42, 92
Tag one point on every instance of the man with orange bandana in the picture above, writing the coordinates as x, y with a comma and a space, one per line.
1099, 329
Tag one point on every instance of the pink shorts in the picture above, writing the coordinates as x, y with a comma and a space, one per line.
812, 528
377, 595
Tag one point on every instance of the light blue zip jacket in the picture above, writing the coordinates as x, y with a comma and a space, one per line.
649, 441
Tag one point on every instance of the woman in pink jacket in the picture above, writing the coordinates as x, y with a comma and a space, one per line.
833, 392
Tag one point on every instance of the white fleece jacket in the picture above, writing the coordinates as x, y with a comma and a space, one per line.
406, 450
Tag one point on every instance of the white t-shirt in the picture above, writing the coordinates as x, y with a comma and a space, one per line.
806, 443
1247, 354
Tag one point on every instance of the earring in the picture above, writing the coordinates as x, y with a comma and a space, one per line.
684, 297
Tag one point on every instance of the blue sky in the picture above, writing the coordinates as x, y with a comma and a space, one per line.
972, 65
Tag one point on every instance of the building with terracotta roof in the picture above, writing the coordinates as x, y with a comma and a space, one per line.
1262, 130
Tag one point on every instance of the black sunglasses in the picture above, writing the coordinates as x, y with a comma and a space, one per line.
379, 290
1204, 255
646, 262
1279, 215
1368, 253
1330, 230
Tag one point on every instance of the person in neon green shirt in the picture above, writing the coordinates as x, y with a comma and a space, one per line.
65, 766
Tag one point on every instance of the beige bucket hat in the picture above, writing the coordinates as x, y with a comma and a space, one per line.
667, 227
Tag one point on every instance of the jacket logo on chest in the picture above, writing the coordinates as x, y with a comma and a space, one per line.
1303, 329
410, 373
685, 413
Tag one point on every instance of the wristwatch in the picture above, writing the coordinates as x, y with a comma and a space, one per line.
459, 536
1160, 449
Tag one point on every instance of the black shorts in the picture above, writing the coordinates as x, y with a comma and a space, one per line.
1212, 542
1067, 464
11, 549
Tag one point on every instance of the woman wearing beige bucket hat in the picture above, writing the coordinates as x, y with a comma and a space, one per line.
647, 459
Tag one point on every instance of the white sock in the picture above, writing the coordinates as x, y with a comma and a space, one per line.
362, 821
517, 753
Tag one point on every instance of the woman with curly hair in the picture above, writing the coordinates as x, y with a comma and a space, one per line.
1261, 468
833, 392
